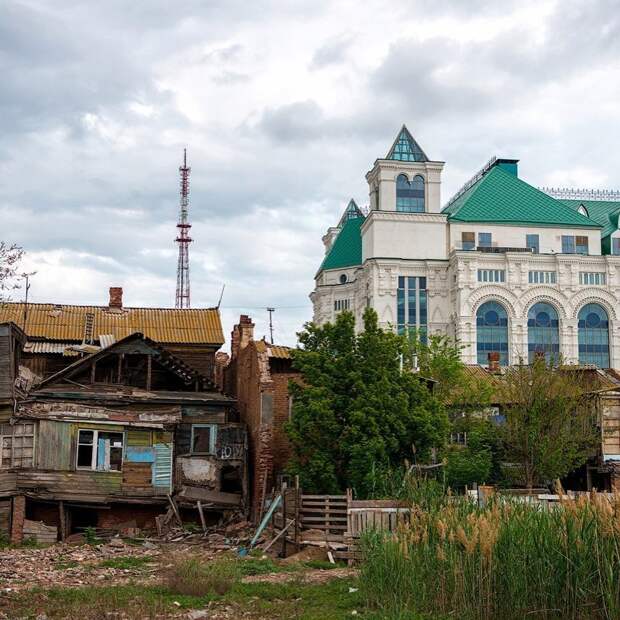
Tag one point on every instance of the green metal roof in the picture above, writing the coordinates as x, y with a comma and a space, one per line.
500, 197
347, 248
405, 148
603, 212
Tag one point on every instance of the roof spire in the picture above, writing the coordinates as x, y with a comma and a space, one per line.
405, 148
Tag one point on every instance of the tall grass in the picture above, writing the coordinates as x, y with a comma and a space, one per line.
507, 560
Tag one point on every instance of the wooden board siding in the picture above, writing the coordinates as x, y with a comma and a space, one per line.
137, 475
6, 411
5, 518
8, 482
83, 481
204, 415
138, 438
7, 376
55, 445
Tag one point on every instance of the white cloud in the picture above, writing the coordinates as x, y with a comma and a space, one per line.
283, 108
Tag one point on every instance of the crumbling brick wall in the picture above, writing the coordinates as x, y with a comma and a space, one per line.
18, 516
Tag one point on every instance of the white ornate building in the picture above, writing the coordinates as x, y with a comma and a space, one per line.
507, 269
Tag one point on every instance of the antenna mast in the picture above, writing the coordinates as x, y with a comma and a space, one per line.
183, 238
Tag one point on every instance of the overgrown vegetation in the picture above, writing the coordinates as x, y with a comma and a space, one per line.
505, 561
358, 413
192, 584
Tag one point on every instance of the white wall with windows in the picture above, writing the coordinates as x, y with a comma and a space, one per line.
549, 240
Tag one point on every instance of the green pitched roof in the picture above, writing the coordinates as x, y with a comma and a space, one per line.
405, 148
347, 248
500, 197
603, 212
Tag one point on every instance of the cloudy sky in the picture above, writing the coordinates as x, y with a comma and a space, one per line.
283, 106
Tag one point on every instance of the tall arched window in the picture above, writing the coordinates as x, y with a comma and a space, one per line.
492, 332
543, 333
593, 329
410, 196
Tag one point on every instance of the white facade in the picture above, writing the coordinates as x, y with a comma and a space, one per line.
457, 282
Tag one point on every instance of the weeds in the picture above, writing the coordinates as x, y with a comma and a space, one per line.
508, 560
191, 576
126, 563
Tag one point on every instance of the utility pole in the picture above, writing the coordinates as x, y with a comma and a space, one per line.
271, 311
26, 277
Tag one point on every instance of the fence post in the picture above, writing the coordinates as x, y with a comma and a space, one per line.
296, 515
283, 491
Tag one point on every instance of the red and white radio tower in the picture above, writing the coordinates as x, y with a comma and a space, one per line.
183, 238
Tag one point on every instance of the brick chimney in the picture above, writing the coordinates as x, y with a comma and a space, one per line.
241, 335
116, 297
493, 361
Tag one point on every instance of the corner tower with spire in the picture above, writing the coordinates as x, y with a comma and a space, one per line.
409, 170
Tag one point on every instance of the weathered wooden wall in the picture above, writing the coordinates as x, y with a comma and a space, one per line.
56, 445
7, 375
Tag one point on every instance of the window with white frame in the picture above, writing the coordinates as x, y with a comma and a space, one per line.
458, 438
542, 277
593, 277
491, 275
203, 438
341, 304
16, 446
615, 246
99, 450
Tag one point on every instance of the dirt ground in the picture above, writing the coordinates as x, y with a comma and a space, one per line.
116, 564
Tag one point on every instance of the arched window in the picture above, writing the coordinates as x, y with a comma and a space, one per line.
593, 329
492, 332
410, 196
343, 278
543, 333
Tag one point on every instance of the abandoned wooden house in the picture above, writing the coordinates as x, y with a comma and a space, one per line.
110, 439
59, 334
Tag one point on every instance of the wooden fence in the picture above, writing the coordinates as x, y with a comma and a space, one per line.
333, 521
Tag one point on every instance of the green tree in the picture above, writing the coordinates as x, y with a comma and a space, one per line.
357, 412
550, 427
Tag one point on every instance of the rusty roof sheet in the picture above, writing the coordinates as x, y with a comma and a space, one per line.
273, 350
168, 325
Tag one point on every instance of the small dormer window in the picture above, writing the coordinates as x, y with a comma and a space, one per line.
343, 278
582, 209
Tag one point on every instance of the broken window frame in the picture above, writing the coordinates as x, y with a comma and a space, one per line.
8, 445
95, 449
212, 438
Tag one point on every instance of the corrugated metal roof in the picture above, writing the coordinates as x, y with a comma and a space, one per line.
273, 350
106, 340
168, 325
50, 347
279, 352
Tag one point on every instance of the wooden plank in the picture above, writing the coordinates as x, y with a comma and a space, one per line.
342, 498
215, 497
202, 516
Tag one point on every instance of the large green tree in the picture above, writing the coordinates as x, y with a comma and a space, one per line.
359, 410
550, 427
